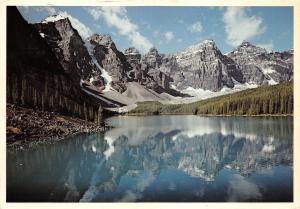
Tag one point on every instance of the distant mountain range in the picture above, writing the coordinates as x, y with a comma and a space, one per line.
199, 66
122, 78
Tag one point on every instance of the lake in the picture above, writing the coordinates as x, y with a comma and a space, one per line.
161, 159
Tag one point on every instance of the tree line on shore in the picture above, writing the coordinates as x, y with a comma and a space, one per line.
269, 100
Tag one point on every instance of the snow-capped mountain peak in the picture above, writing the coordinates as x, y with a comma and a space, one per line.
54, 18
199, 47
260, 66
247, 47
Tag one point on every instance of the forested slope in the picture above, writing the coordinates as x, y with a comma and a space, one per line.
276, 99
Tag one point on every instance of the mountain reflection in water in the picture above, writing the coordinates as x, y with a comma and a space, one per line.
161, 158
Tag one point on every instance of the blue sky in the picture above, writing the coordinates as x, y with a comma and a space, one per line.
171, 29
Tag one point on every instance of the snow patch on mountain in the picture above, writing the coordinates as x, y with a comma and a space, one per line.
198, 92
243, 86
268, 70
104, 73
54, 18
272, 82
201, 94
42, 35
107, 78
194, 49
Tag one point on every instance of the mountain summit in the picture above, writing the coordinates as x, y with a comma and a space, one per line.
261, 67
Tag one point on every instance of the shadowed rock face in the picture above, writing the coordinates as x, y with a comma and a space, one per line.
37, 79
153, 59
133, 56
146, 70
86, 60
259, 66
130, 66
112, 60
70, 50
151, 63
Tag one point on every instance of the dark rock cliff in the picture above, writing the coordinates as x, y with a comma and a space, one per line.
146, 70
70, 50
35, 77
111, 59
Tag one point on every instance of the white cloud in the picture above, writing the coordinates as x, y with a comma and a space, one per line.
169, 36
268, 46
117, 17
240, 26
195, 27
179, 40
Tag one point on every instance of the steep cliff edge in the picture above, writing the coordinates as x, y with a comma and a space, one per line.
70, 50
112, 61
35, 77
146, 70
204, 66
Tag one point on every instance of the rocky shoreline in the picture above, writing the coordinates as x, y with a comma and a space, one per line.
26, 127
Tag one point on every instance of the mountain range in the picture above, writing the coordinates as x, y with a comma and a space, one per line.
114, 78
200, 66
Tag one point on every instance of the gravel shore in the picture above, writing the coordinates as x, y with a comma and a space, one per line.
24, 126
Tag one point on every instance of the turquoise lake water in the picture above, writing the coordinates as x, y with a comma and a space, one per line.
161, 159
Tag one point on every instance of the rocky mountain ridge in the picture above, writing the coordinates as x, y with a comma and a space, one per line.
203, 66
97, 61
109, 58
259, 66
69, 48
